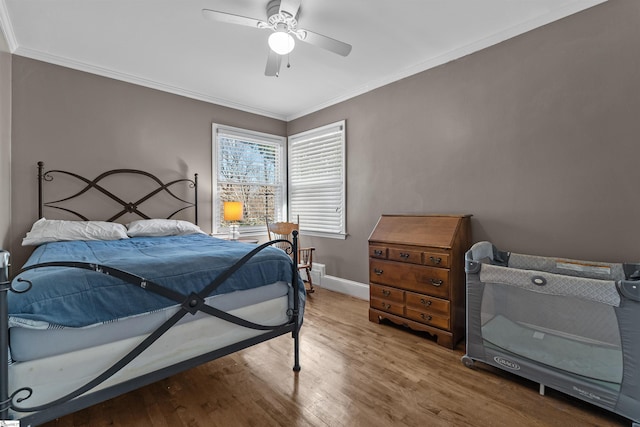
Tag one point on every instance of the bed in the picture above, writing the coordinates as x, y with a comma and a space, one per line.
100, 309
567, 324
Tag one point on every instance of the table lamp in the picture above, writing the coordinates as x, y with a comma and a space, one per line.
233, 213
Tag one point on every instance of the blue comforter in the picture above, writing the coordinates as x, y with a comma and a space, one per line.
72, 297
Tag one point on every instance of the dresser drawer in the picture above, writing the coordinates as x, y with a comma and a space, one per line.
403, 255
378, 252
417, 278
435, 259
428, 318
388, 306
427, 304
387, 293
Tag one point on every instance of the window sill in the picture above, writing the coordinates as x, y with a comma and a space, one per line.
339, 236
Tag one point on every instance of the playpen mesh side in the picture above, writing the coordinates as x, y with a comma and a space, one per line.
568, 324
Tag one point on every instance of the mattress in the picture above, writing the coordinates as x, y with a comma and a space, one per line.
53, 376
595, 361
29, 344
78, 297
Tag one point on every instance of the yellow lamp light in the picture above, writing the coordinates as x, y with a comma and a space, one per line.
233, 212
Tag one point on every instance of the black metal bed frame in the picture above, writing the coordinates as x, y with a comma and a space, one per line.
192, 303
127, 207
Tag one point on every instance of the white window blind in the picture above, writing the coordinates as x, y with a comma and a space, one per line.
316, 180
248, 168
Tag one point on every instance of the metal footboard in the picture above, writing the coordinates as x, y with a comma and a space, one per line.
189, 304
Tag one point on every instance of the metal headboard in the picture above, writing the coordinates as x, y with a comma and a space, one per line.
127, 207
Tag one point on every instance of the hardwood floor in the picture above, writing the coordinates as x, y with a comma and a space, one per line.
354, 373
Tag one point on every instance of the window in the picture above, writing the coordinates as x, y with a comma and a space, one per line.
248, 168
316, 180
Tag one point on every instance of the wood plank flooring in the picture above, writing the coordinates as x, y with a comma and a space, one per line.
354, 373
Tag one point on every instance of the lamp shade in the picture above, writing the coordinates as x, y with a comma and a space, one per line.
281, 42
232, 211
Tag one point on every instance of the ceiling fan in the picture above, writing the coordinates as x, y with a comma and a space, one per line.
282, 20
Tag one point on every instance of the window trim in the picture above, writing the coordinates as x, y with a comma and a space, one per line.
267, 138
318, 130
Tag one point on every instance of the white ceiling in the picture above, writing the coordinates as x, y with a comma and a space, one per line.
168, 45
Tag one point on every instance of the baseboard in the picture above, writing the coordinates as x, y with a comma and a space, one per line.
338, 284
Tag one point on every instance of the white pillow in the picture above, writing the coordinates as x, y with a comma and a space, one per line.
55, 230
161, 227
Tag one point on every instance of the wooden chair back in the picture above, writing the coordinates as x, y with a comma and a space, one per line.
284, 230
281, 230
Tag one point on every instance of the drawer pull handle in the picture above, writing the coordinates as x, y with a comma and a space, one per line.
435, 282
386, 292
435, 260
386, 306
378, 271
377, 252
425, 302
404, 255
426, 317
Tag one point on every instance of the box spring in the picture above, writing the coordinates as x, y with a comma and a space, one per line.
52, 376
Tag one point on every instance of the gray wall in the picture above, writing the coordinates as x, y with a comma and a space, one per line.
537, 137
5, 143
88, 124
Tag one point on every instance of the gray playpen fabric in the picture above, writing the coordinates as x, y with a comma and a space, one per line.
603, 291
570, 325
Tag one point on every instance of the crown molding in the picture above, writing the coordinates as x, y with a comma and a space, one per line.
6, 27
141, 81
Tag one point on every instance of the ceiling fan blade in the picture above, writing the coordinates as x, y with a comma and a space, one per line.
290, 6
273, 64
333, 45
230, 18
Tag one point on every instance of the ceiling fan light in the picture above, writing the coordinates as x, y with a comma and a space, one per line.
281, 42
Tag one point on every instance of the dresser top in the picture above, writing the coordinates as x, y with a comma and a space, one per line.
418, 230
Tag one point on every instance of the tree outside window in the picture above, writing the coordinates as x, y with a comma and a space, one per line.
248, 169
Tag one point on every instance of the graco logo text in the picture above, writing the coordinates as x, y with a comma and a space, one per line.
586, 394
507, 363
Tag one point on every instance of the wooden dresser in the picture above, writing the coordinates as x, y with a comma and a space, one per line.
416, 273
